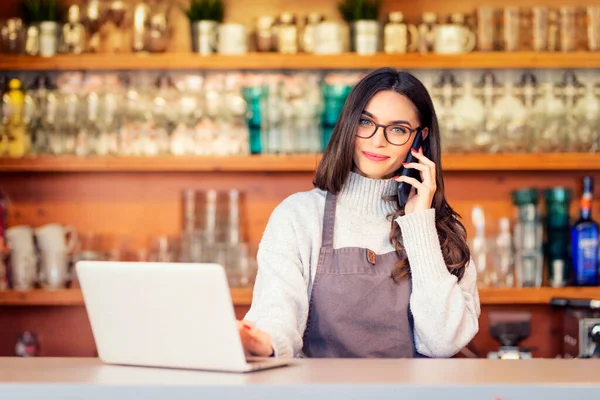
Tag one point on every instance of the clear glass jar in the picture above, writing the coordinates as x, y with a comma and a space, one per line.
549, 117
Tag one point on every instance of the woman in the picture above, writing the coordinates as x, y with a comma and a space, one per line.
344, 271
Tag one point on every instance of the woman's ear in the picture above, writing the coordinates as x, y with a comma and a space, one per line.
425, 133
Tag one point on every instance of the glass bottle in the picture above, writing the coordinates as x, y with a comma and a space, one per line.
16, 119
528, 239
396, 35
425, 32
584, 240
557, 226
504, 259
287, 34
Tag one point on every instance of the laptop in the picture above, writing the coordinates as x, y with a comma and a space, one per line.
173, 315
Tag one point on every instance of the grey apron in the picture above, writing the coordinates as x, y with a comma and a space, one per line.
356, 309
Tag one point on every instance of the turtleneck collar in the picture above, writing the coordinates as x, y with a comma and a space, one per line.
365, 195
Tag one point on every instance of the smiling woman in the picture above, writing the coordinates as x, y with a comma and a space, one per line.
344, 270
382, 155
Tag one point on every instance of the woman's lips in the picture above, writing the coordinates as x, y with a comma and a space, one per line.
375, 157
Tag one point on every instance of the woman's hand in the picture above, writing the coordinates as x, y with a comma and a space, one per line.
421, 194
255, 342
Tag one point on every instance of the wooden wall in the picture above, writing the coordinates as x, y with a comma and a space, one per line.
133, 207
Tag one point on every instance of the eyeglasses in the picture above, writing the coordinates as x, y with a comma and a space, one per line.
396, 135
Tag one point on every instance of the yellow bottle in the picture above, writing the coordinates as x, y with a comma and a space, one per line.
18, 139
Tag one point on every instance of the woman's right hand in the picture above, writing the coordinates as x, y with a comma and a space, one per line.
255, 342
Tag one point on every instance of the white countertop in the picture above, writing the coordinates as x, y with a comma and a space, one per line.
463, 379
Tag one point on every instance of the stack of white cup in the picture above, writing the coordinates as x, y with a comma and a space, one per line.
23, 259
54, 254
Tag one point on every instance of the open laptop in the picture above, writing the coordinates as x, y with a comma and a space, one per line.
173, 315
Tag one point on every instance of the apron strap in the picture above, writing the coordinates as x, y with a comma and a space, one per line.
328, 220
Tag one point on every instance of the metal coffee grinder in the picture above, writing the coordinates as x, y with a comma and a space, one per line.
510, 328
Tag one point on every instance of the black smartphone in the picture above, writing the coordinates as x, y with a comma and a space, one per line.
403, 187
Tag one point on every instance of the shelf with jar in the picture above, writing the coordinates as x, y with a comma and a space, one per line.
220, 114
287, 163
243, 296
364, 38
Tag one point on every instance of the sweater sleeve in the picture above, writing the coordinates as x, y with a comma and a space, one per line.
280, 299
445, 311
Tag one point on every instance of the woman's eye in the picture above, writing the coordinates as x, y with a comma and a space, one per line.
364, 121
400, 130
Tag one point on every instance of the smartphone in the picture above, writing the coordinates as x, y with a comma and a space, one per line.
403, 187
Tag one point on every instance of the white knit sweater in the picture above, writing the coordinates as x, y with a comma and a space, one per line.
445, 311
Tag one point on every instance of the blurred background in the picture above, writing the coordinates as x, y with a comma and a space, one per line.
155, 130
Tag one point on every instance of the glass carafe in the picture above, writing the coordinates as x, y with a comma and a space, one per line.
488, 139
586, 116
513, 116
550, 120
469, 119
444, 93
528, 239
527, 92
571, 90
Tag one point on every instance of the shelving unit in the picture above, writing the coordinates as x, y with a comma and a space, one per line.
289, 163
261, 61
243, 297
125, 195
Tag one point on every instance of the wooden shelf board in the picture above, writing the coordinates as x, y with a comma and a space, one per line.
278, 163
491, 296
73, 297
168, 61
243, 297
288, 163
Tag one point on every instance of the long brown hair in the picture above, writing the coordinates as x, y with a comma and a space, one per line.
337, 162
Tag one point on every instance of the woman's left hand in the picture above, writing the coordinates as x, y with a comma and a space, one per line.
421, 194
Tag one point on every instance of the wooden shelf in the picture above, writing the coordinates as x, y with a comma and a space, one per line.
267, 163
289, 163
73, 297
251, 61
535, 296
243, 297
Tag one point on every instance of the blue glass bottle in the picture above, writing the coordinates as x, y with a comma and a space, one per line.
254, 96
584, 240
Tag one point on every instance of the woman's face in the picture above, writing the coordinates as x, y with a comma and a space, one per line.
375, 157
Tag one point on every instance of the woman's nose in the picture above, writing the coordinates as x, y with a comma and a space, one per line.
379, 137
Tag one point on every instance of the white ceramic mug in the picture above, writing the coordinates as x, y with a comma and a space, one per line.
23, 269
232, 39
453, 39
54, 270
20, 238
53, 237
